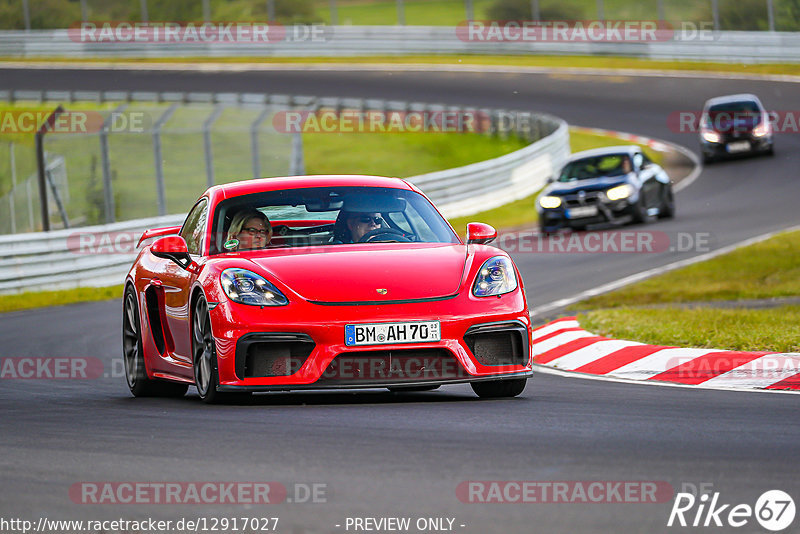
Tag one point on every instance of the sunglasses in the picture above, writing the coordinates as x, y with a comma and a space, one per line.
366, 219
256, 231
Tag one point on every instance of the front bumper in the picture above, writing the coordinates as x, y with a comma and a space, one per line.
608, 212
723, 149
302, 346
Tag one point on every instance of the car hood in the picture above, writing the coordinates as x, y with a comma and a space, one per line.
594, 184
356, 273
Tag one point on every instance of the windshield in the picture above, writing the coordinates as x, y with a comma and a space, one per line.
330, 216
595, 167
732, 115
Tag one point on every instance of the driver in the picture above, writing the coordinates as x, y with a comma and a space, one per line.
250, 229
359, 224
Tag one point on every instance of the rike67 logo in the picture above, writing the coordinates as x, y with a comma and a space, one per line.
774, 510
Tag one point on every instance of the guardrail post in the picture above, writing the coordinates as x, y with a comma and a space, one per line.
270, 10
12, 194
401, 13
535, 15
297, 165
26, 14
206, 11
660, 9
159, 161
105, 163
770, 16
600, 10
470, 9
207, 149
715, 14
254, 141
334, 13
143, 10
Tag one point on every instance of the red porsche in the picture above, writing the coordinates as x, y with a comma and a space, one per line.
317, 282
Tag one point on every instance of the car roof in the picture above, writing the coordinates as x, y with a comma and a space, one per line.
606, 151
725, 99
258, 185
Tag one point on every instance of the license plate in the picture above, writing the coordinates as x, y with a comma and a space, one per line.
583, 211
738, 146
389, 333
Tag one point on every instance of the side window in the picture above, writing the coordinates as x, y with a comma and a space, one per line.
194, 227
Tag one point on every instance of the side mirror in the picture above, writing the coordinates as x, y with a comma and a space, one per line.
480, 234
173, 248
551, 179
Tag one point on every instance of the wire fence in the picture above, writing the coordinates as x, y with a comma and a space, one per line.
137, 159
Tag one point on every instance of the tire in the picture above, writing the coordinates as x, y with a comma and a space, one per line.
204, 359
639, 212
667, 210
495, 389
411, 389
133, 355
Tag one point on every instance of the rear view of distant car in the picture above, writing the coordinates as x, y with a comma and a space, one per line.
734, 125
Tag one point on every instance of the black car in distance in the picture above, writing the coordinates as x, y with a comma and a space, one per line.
613, 185
734, 125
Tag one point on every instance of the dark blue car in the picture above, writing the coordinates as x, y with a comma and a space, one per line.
614, 185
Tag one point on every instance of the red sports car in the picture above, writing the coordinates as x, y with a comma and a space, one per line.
317, 282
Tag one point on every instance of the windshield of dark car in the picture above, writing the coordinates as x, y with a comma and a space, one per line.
595, 167
308, 216
730, 114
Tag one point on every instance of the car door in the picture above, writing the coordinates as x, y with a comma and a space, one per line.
177, 282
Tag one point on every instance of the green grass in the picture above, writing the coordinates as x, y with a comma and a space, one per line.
776, 329
770, 269
417, 12
42, 299
400, 154
763, 270
544, 61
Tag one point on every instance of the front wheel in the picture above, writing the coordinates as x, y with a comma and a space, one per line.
494, 389
204, 351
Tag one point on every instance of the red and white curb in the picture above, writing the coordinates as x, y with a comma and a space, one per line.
564, 345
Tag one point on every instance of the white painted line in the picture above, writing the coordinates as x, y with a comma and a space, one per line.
590, 353
760, 373
556, 341
545, 370
605, 288
554, 327
658, 362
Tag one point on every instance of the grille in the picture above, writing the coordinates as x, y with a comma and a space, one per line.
572, 201
498, 344
265, 355
385, 366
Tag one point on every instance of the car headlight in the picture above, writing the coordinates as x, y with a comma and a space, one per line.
246, 287
619, 192
550, 202
495, 277
711, 136
762, 129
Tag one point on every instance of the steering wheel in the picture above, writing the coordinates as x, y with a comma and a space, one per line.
386, 235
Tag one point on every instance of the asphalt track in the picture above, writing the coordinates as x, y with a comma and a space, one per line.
404, 455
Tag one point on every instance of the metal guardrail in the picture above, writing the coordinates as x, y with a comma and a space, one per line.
688, 44
64, 259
